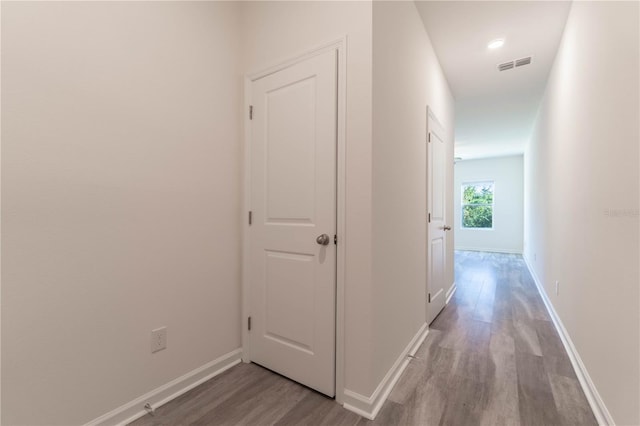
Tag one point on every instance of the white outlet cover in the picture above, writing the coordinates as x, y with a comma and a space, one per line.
158, 339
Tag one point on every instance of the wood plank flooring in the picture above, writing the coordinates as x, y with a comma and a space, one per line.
492, 358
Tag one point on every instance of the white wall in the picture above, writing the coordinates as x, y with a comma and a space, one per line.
276, 31
507, 234
582, 163
406, 78
120, 200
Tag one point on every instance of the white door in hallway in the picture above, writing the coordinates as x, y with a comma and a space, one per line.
292, 255
436, 216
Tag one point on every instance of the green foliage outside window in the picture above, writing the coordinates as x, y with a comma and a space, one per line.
477, 205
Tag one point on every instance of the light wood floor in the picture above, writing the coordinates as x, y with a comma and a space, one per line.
492, 357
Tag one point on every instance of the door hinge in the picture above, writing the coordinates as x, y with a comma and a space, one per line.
249, 323
250, 112
335, 239
428, 298
429, 218
429, 137
250, 217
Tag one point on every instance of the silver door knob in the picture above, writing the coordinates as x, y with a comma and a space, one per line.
446, 228
323, 239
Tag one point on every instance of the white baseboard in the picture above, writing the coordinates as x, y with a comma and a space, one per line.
167, 392
451, 292
369, 406
490, 250
603, 416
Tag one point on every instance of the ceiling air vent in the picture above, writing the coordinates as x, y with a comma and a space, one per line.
523, 61
514, 64
505, 66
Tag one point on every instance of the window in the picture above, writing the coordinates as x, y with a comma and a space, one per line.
477, 205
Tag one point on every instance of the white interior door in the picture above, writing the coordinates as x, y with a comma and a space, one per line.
436, 217
292, 265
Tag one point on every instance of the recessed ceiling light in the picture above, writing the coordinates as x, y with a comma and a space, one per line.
494, 44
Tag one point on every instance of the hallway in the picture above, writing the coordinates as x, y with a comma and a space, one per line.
492, 357
192, 184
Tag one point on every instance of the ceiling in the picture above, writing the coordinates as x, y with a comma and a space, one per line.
495, 111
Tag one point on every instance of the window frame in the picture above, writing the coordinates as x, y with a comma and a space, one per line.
492, 205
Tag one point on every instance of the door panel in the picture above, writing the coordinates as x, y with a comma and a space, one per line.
292, 278
437, 178
290, 152
436, 276
436, 228
289, 297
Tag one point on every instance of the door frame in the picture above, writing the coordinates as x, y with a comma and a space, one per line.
339, 46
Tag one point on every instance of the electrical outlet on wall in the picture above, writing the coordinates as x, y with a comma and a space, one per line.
158, 339
557, 287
